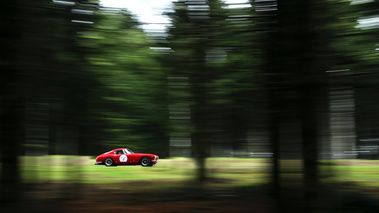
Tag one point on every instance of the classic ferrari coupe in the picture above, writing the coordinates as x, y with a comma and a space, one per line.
124, 156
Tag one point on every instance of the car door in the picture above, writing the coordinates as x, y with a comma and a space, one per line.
132, 157
121, 157
124, 157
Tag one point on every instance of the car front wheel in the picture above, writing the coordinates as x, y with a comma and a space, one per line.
108, 162
145, 161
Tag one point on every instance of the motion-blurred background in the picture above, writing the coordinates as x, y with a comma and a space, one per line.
252, 106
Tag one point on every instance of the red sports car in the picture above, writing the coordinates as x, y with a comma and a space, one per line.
124, 156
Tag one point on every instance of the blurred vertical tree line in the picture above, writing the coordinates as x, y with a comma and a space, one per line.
265, 77
76, 79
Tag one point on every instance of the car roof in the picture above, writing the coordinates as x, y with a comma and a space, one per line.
119, 149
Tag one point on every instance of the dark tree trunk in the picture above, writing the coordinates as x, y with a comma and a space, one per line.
275, 145
310, 77
274, 68
12, 136
12, 105
52, 129
310, 142
201, 134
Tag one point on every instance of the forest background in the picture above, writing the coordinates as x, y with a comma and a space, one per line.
288, 80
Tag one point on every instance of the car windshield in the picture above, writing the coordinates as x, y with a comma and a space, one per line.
128, 151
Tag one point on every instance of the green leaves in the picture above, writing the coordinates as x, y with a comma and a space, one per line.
133, 84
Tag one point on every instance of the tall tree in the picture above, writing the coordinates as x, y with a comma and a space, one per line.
12, 100
132, 84
301, 42
192, 38
236, 85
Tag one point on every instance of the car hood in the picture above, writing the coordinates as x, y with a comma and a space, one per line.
142, 154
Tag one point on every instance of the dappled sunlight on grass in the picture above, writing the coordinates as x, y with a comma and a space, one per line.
71, 169
173, 172
362, 174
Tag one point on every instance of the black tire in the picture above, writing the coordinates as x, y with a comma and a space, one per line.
145, 161
108, 162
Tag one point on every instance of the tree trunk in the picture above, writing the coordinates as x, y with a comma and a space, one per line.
52, 129
12, 136
310, 142
310, 77
12, 105
200, 136
275, 148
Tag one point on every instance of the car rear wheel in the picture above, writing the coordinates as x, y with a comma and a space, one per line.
145, 161
108, 162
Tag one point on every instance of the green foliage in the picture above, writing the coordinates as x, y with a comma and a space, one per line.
133, 86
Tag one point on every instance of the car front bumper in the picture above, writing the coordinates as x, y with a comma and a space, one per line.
155, 161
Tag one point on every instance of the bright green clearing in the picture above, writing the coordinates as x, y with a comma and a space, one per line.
230, 171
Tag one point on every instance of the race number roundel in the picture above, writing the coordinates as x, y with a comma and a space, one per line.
123, 158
